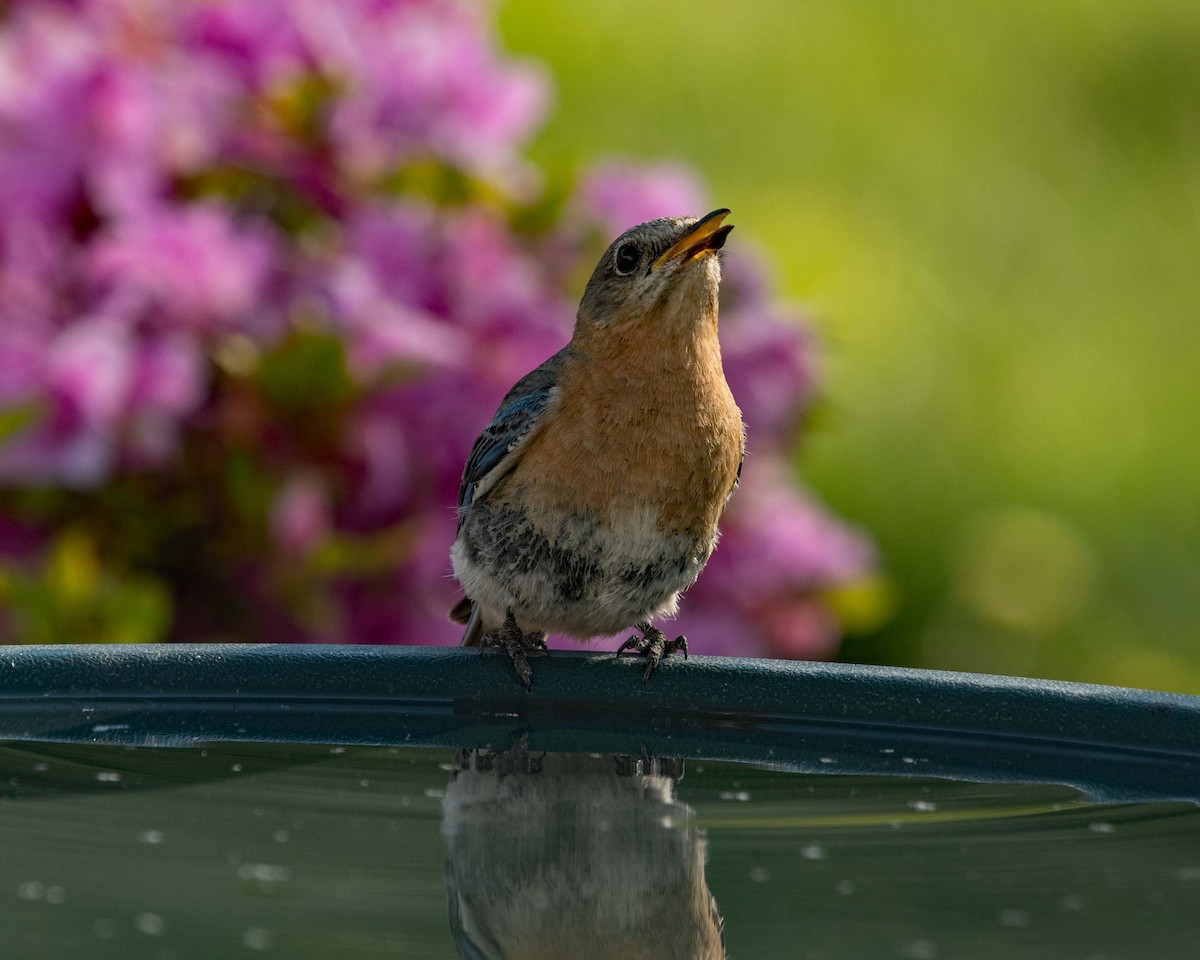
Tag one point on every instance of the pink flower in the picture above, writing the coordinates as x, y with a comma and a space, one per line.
36, 264
152, 121
618, 194
89, 372
44, 62
193, 267
170, 375
47, 454
80, 383
798, 629
421, 79
301, 516
261, 44
769, 365
170, 383
381, 467
776, 539
22, 364
382, 332
761, 591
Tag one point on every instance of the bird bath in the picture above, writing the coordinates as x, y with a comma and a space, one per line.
184, 803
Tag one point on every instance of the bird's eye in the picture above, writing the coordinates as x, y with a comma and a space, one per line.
627, 259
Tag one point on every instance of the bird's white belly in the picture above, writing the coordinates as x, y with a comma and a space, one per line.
575, 575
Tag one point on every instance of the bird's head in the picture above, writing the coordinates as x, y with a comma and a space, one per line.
664, 272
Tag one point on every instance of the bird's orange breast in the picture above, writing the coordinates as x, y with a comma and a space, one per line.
645, 428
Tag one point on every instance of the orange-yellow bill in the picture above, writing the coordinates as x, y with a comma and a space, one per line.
706, 236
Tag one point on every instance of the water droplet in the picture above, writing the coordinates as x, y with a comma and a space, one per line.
151, 836
814, 851
1072, 903
337, 750
31, 890
760, 875
151, 924
740, 795
364, 782
435, 793
923, 805
827, 760
108, 776
1101, 827
1013, 918
55, 894
256, 938
920, 949
236, 768
1189, 873
41, 767
846, 887
282, 836
264, 872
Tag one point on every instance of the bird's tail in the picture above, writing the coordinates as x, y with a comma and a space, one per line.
467, 611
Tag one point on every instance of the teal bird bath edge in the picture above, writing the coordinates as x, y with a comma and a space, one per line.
213, 801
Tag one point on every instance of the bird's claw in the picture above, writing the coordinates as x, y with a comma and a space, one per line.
653, 645
515, 759
519, 646
648, 765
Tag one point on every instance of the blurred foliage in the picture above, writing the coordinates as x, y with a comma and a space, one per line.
994, 210
265, 271
73, 596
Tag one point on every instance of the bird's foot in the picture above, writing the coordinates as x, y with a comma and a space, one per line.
518, 645
647, 765
516, 759
653, 645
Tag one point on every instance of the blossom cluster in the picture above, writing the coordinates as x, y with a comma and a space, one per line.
266, 268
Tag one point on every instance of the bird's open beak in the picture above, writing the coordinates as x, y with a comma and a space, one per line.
706, 236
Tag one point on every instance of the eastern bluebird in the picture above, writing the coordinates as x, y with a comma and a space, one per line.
591, 500
565, 855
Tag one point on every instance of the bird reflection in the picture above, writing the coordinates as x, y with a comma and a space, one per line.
568, 855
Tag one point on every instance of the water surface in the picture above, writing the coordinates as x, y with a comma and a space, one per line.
280, 849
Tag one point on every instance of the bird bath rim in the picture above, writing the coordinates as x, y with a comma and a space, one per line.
1115, 744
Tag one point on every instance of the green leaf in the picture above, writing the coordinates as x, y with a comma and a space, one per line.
136, 610
306, 373
15, 419
72, 571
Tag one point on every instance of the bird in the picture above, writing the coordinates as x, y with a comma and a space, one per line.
591, 500
575, 855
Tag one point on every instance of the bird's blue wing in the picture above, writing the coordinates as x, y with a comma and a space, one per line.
497, 449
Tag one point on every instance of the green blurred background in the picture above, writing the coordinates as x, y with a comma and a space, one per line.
991, 210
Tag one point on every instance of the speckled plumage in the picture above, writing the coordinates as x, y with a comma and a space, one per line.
591, 500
